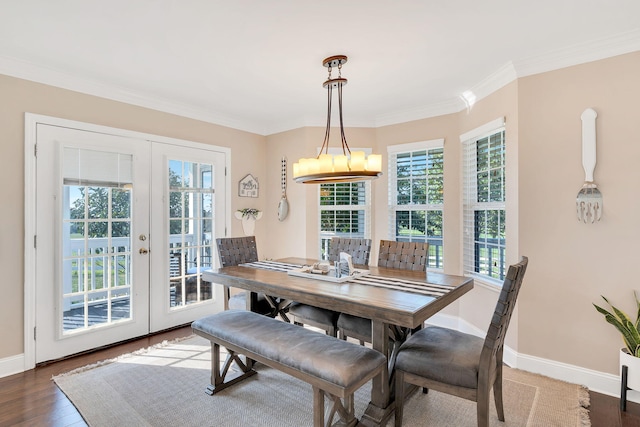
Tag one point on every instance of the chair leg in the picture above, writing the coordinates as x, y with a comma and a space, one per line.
483, 407
399, 397
497, 394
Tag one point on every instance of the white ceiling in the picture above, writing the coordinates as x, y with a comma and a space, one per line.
257, 64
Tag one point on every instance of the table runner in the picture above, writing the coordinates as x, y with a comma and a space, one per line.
272, 265
404, 285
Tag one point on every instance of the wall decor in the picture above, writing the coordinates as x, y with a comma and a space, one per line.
589, 199
248, 216
283, 204
248, 186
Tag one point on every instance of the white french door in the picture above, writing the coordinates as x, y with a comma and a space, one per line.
188, 197
124, 228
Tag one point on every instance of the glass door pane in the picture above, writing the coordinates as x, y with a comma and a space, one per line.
190, 231
188, 213
96, 259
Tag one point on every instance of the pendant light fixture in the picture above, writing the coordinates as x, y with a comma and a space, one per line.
348, 166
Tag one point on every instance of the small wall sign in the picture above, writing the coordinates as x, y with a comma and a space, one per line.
248, 186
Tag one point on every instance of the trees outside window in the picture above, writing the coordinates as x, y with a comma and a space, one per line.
485, 204
344, 212
416, 195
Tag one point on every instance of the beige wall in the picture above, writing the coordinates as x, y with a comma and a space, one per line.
571, 263
20, 96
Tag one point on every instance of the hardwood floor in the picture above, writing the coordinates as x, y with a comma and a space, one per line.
32, 399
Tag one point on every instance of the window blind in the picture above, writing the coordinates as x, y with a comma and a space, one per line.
90, 167
416, 195
344, 212
484, 208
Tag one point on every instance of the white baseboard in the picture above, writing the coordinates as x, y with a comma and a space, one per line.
11, 365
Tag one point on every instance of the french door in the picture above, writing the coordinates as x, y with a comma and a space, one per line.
124, 228
189, 200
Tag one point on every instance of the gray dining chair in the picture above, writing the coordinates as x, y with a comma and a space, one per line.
391, 254
305, 314
460, 364
234, 251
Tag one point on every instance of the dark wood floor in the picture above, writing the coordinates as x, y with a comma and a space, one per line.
32, 399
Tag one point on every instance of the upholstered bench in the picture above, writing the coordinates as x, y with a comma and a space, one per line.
333, 367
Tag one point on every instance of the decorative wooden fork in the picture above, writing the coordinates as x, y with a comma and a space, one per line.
589, 200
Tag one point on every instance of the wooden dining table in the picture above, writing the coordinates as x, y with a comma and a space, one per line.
391, 298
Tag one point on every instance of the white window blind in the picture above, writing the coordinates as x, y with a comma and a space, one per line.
87, 167
484, 201
416, 195
344, 212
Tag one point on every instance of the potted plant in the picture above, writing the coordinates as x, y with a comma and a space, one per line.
248, 216
630, 355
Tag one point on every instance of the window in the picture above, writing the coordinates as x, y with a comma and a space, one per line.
484, 201
344, 212
416, 195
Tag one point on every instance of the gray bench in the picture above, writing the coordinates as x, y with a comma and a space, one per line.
333, 367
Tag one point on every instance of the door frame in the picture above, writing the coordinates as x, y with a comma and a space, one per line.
31, 121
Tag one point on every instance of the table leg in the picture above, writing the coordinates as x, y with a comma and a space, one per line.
379, 409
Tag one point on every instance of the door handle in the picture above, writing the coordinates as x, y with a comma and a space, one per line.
143, 251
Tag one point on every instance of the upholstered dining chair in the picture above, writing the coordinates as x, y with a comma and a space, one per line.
460, 364
391, 254
234, 251
304, 314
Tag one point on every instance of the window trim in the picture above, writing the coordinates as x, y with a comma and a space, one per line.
392, 187
471, 137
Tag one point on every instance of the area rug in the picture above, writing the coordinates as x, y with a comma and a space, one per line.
165, 386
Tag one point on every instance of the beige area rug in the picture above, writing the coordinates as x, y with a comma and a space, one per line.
165, 386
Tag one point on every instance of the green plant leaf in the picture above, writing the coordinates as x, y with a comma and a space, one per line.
635, 294
621, 321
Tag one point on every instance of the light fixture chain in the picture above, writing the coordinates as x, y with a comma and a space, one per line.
345, 146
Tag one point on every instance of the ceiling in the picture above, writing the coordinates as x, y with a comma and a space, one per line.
256, 65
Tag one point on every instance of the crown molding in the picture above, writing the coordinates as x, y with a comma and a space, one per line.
50, 76
580, 53
498, 79
424, 112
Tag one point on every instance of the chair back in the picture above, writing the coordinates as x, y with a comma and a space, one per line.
403, 255
359, 249
236, 250
491, 356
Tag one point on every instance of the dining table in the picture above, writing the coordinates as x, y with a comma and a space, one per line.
394, 299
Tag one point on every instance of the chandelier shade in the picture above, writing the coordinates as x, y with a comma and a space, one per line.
348, 166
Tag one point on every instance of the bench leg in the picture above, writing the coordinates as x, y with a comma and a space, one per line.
318, 407
345, 412
221, 378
